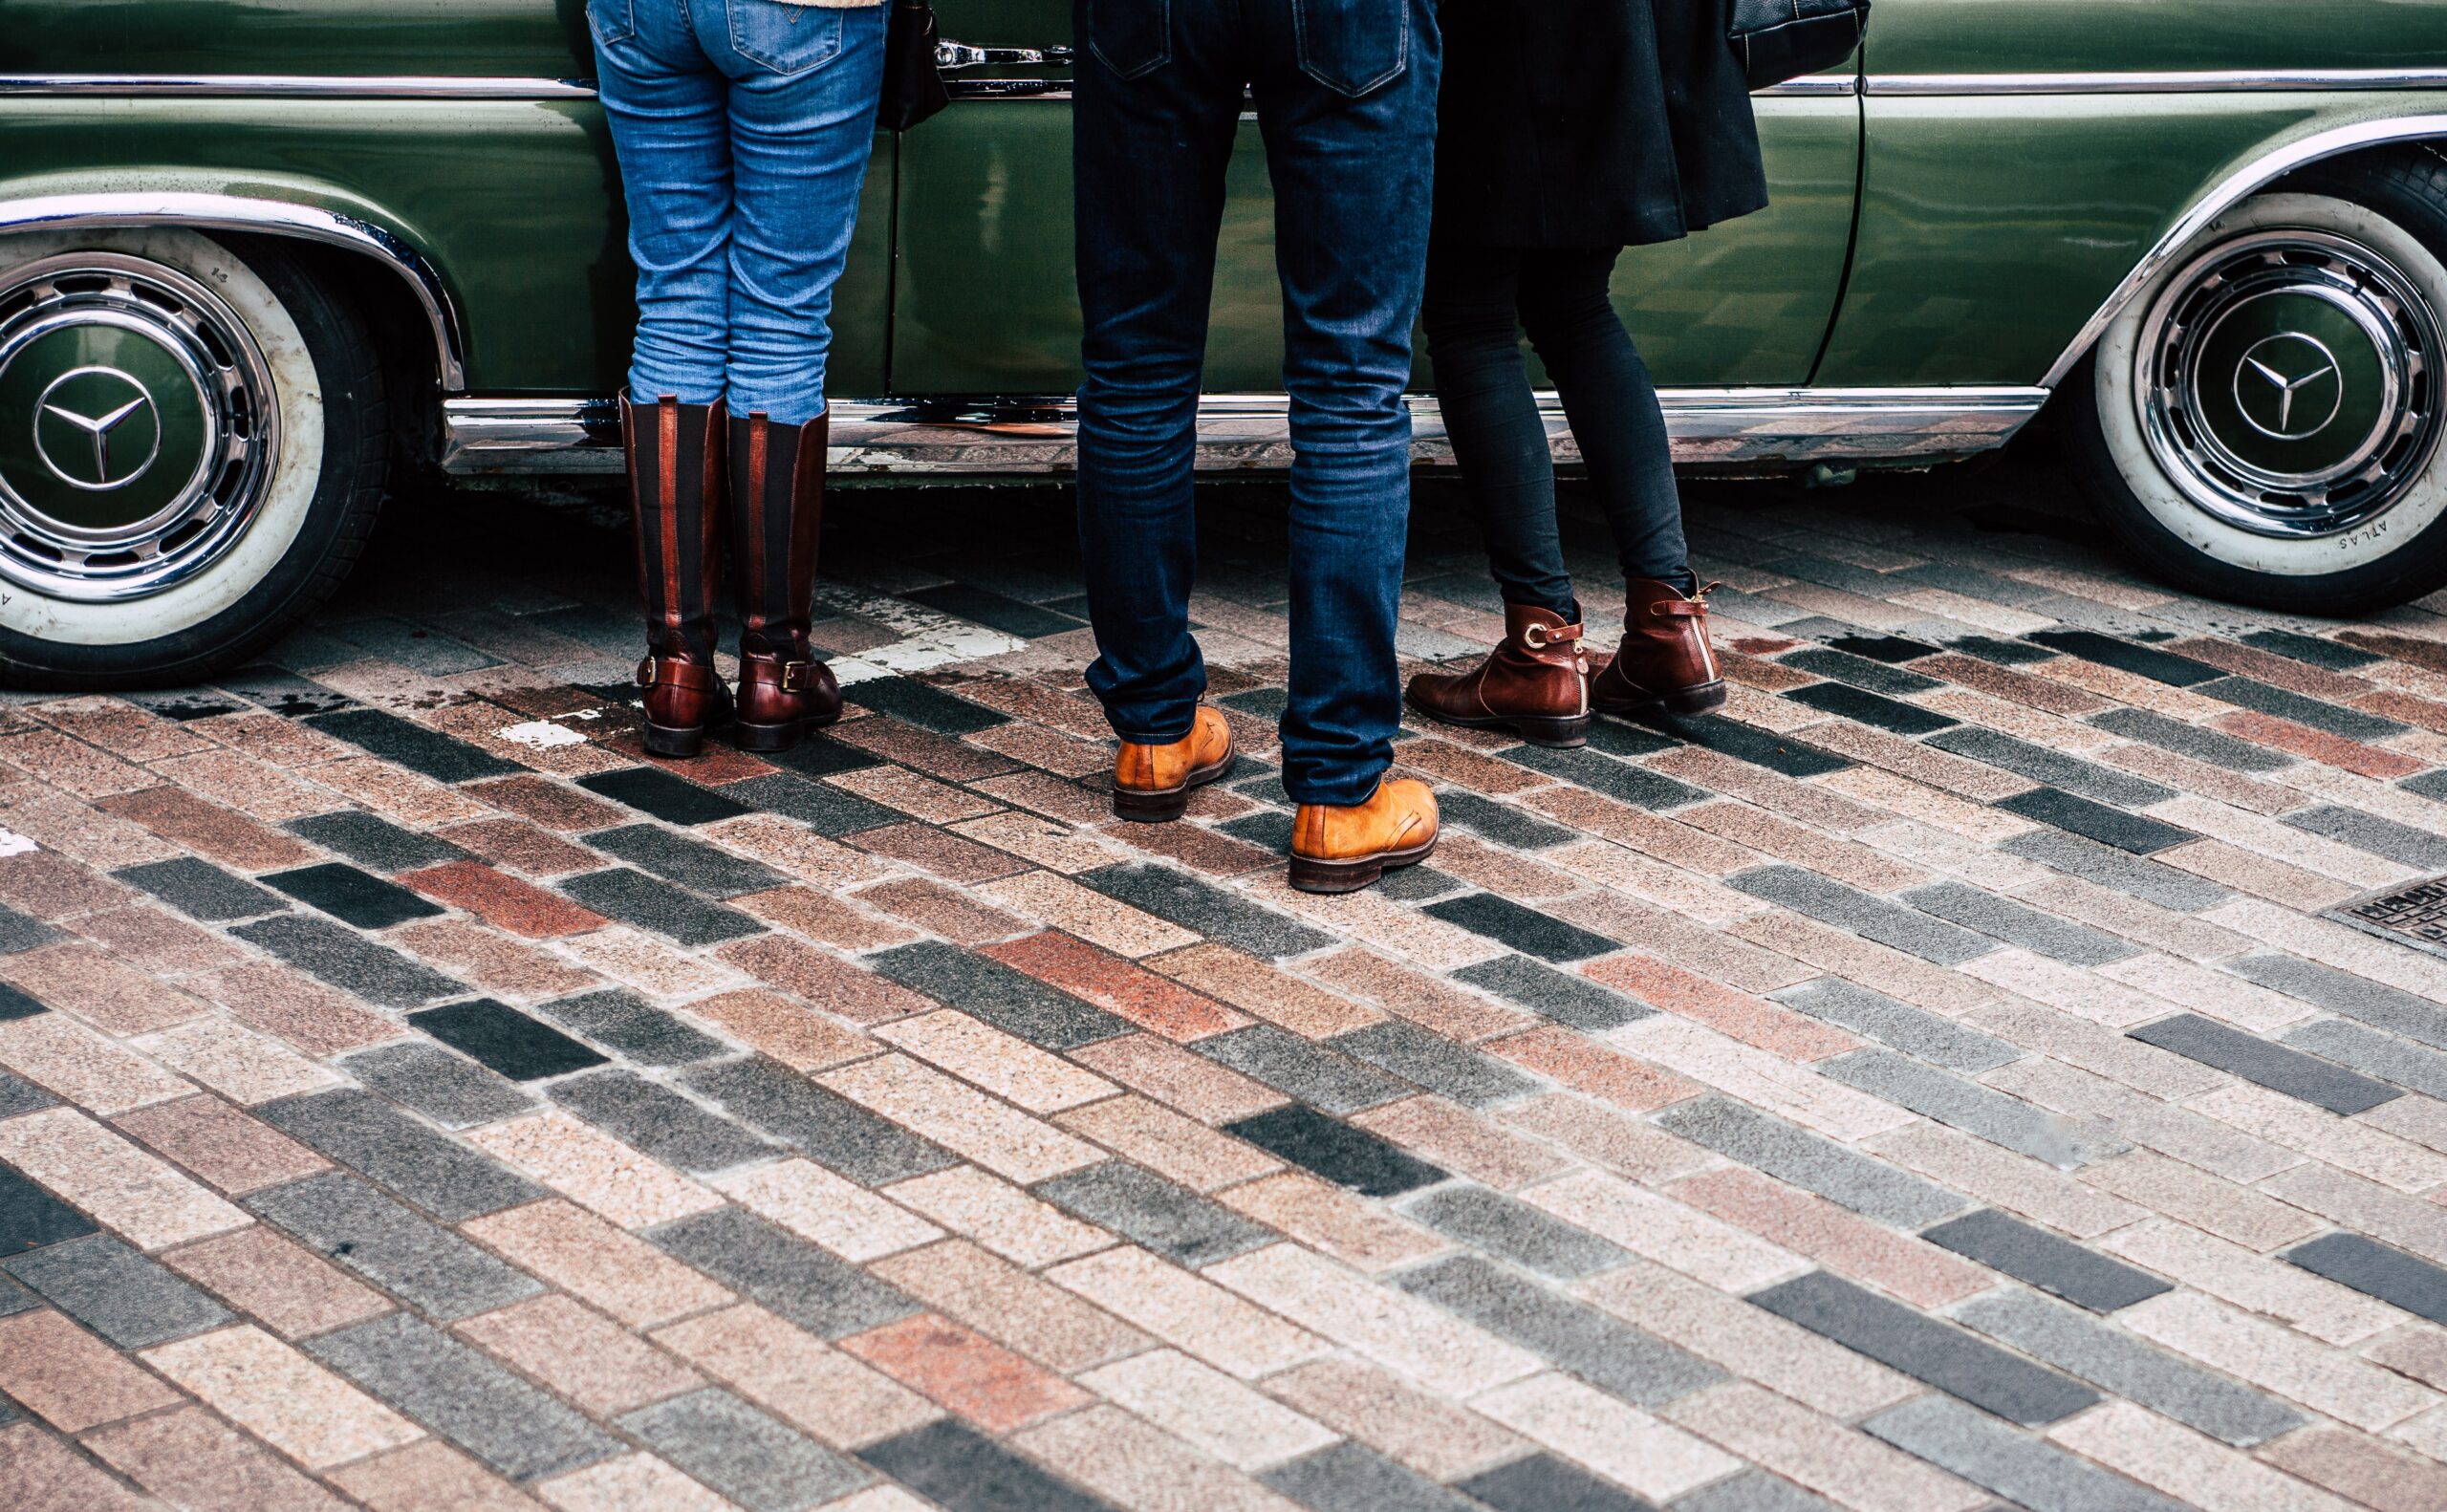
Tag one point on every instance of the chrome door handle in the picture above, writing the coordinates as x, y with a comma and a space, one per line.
952, 56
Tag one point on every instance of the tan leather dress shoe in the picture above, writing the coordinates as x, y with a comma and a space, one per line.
1342, 850
1152, 783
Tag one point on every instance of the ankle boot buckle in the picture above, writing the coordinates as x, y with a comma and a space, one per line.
791, 674
1538, 637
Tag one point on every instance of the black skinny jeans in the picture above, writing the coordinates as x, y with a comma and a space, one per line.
1479, 300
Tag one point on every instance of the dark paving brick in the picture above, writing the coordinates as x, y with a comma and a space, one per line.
980, 985
1499, 822
676, 800
995, 611
1559, 995
2096, 821
2373, 1003
2019, 925
2431, 785
747, 1456
2312, 650
1541, 1483
1515, 1231
915, 703
1598, 1346
693, 864
372, 841
510, 1042
15, 1002
2055, 768
462, 1394
370, 1136
1204, 909
823, 758
2005, 652
13, 1300
2029, 1471
31, 1218
1925, 1348
639, 1031
2372, 1268
2151, 881
1916, 1031
832, 1130
1754, 1491
115, 1291
793, 1278
352, 895
1861, 672
2317, 713
1616, 737
1779, 753
199, 890
1599, 772
1864, 914
821, 806
283, 692
2372, 1053
443, 758
1434, 1062
2369, 832
647, 902
1345, 1155
1409, 884
1172, 1221
2200, 744
350, 962
956, 1467
429, 1266
182, 705
659, 1121
1891, 650
23, 932
1527, 930
1846, 702
1266, 703
1301, 1068
2158, 666
451, 1090
1794, 1154
19, 1096
2049, 1262
1270, 829
1353, 1477
2272, 1066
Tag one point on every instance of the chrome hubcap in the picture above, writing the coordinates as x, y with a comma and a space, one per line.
138, 427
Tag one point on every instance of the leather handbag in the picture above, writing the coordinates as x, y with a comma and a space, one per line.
1778, 40
913, 91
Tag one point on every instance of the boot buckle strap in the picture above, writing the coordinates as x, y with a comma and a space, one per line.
648, 671
791, 673
1538, 637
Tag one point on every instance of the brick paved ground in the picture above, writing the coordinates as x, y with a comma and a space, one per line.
1931, 1086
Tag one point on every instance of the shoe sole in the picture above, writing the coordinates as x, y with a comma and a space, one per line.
780, 736
1687, 701
680, 741
1158, 807
1568, 733
1350, 876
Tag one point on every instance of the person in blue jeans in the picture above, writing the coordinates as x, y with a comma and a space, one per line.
1345, 95
743, 129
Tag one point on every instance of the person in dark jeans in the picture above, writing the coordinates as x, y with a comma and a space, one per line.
1345, 93
1569, 130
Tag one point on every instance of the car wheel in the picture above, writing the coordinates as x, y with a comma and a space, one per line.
193, 437
2263, 422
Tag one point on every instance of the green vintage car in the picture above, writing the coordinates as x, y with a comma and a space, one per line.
258, 258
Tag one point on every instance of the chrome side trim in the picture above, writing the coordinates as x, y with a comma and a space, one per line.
2221, 198
223, 212
1813, 87
337, 86
1768, 428
2201, 82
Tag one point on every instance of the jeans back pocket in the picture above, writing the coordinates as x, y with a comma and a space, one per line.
1352, 47
786, 39
1132, 37
612, 20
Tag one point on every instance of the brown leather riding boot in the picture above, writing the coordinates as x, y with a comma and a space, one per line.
1535, 683
674, 490
1665, 661
1342, 850
1153, 783
776, 510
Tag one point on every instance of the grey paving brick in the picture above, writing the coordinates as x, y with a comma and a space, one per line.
836, 1131
2195, 740
1500, 822
2373, 1003
520, 1048
956, 1467
1752, 1491
1875, 709
1925, 1348
1005, 998
2373, 1054
2019, 925
197, 889
1598, 1346
1172, 1221
1436, 1062
1205, 909
1297, 1068
2272, 1066
2049, 1262
2311, 650
19, 1096
443, 758
410, 646
459, 1392
30, 1217
23, 932
659, 1121
348, 960
431, 1267
13, 1300
370, 1136
2350, 1260
2116, 1361
450, 1090
743, 1454
766, 1261
2318, 713
2374, 834
634, 898
1872, 918
1862, 672
665, 795
2151, 881
1343, 1154
2096, 821
701, 868
115, 1291
1515, 1231
2057, 769
1620, 780
1409, 884
1791, 1153
1521, 928
1916, 1031
15, 1002
2111, 651
1560, 995
1541, 1483
352, 894
2025, 1469
372, 841
1968, 1106
821, 806
1353, 1477
626, 1023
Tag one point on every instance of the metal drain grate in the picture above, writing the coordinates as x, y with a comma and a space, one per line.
2414, 916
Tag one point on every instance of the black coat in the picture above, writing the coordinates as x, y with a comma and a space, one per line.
1591, 123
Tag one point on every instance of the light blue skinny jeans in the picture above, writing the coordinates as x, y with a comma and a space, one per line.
743, 129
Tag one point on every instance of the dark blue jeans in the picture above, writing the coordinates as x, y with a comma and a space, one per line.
1345, 103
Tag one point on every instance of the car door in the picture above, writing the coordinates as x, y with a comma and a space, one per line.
983, 300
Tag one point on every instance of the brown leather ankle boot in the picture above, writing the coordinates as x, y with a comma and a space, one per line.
1535, 683
1152, 783
1344, 848
1665, 661
675, 491
776, 510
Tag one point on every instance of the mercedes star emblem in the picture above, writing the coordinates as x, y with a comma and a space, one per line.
109, 400
2282, 372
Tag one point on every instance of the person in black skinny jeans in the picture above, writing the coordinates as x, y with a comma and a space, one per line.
1568, 130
